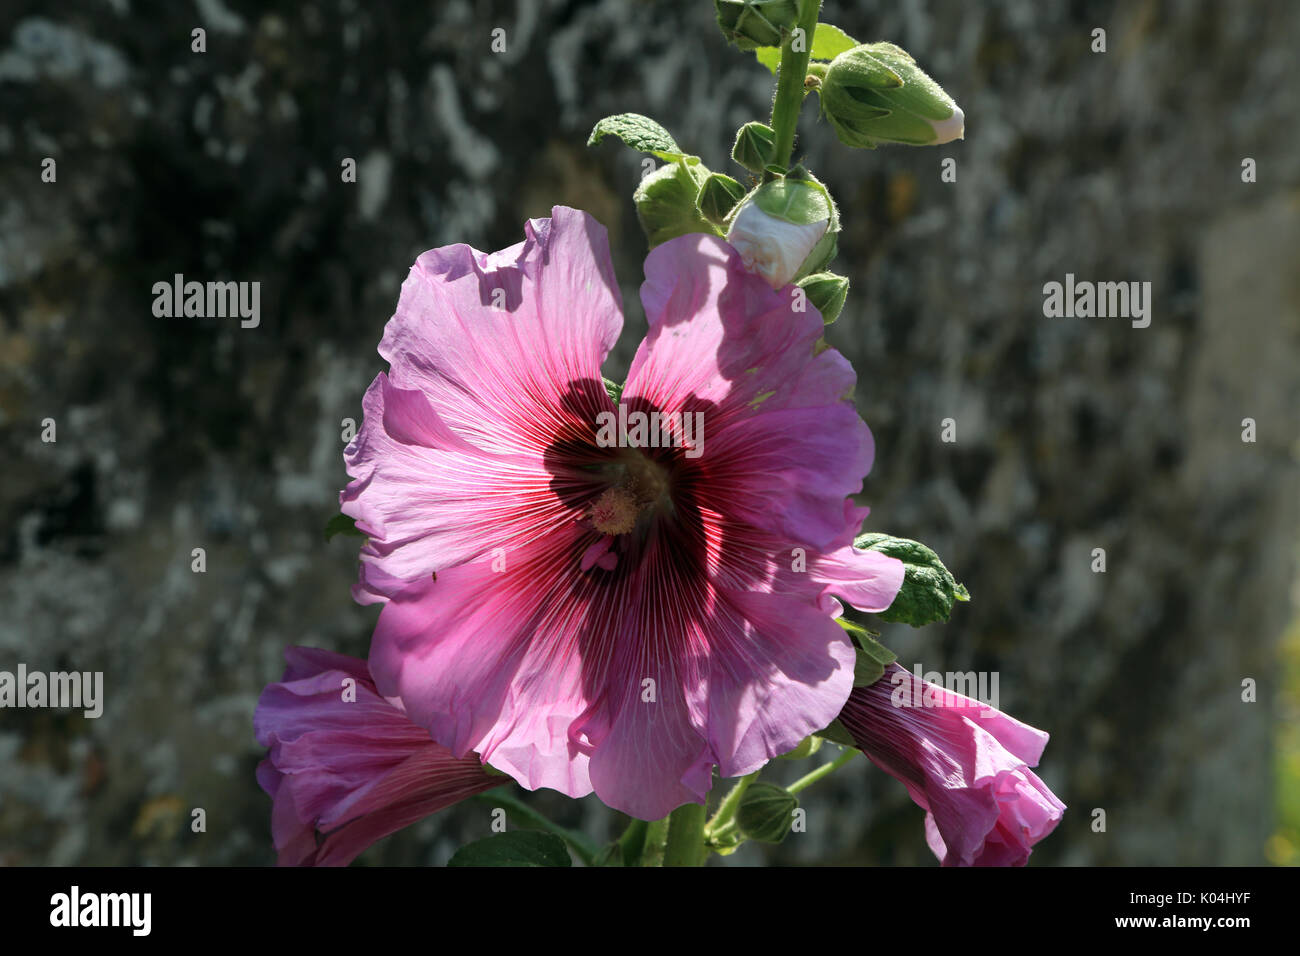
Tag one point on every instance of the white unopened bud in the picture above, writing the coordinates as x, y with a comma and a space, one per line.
772, 247
946, 130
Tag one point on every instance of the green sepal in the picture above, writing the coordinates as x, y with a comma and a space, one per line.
514, 848
872, 656
725, 846
807, 747
929, 590
795, 199
827, 292
343, 524
718, 196
836, 733
753, 146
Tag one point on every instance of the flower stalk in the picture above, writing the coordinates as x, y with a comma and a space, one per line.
726, 811
685, 845
825, 770
790, 88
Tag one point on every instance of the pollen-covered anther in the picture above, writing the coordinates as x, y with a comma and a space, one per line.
615, 511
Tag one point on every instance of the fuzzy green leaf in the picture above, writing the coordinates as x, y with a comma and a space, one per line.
929, 590
642, 134
514, 848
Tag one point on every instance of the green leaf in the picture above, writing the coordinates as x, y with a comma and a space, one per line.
828, 43
873, 657
642, 134
766, 813
342, 524
929, 589
769, 56
836, 733
613, 389
514, 848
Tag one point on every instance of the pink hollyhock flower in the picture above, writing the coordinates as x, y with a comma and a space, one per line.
964, 763
348, 763
587, 601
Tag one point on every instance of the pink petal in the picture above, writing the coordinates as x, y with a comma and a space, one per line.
783, 444
966, 764
780, 673
456, 455
866, 579
345, 762
492, 662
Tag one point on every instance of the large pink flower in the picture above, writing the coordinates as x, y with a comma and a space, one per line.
610, 618
963, 762
346, 762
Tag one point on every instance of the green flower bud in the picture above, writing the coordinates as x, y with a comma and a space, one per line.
827, 292
766, 813
750, 24
785, 229
665, 202
754, 144
875, 93
718, 196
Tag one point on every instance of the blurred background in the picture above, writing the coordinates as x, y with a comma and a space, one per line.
1072, 434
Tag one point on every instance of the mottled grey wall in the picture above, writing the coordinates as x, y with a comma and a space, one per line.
1072, 434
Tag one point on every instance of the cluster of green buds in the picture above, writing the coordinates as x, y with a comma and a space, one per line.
784, 224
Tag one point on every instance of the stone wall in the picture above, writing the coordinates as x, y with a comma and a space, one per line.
1072, 434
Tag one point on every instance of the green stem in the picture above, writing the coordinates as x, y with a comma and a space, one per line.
727, 809
790, 83
686, 836
584, 848
656, 836
825, 770
632, 843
